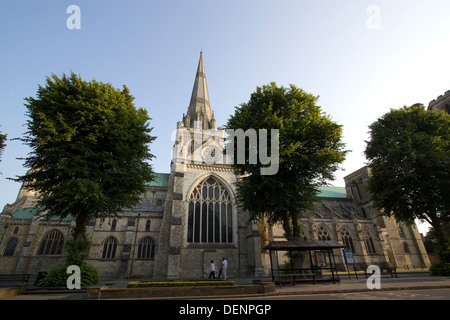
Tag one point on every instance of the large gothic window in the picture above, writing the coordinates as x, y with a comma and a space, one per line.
11, 247
109, 248
52, 243
146, 248
368, 242
210, 217
347, 239
323, 234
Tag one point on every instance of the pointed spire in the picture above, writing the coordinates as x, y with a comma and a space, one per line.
199, 106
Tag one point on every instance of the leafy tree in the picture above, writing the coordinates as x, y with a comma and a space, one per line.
90, 147
57, 277
430, 238
2, 143
409, 156
310, 150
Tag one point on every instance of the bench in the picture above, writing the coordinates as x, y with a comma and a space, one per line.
389, 270
392, 271
14, 277
313, 274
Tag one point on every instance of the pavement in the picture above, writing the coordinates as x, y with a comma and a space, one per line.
405, 281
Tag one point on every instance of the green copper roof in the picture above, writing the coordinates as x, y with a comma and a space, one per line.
29, 213
24, 213
161, 180
332, 192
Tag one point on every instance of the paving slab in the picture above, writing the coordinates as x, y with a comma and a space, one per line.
404, 281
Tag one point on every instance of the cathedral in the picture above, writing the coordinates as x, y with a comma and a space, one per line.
189, 217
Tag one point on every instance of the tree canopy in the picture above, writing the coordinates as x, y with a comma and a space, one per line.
310, 150
409, 155
90, 149
2, 143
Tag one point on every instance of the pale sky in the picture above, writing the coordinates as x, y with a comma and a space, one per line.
361, 57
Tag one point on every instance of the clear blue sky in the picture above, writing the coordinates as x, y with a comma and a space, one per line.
327, 47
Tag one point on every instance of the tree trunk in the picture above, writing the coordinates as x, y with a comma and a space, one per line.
442, 242
78, 248
292, 231
296, 231
79, 232
287, 226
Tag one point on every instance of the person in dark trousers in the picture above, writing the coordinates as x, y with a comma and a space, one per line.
212, 270
220, 268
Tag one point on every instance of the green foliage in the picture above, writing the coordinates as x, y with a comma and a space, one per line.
310, 150
409, 156
443, 248
431, 239
180, 283
295, 260
90, 147
57, 277
2, 143
90, 152
78, 251
440, 269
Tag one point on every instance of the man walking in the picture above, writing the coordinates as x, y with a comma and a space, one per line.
212, 270
220, 268
224, 268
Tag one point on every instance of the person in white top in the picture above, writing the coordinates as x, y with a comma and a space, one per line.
212, 270
224, 268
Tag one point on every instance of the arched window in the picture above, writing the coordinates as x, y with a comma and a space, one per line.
406, 248
114, 225
16, 230
11, 247
146, 248
370, 248
303, 234
356, 190
401, 233
147, 225
210, 217
52, 243
347, 239
323, 234
363, 213
109, 248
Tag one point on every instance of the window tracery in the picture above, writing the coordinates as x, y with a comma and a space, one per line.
210, 214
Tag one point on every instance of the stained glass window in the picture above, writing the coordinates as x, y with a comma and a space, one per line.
210, 217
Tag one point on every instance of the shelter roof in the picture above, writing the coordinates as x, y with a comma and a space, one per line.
303, 245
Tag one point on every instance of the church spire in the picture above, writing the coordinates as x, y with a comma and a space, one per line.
199, 108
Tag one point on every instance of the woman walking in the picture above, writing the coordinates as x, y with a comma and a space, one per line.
212, 270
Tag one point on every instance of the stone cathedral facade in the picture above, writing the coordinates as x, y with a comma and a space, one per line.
190, 216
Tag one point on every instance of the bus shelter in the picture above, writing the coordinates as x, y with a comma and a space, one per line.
303, 260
